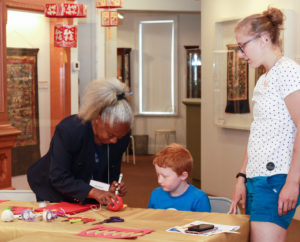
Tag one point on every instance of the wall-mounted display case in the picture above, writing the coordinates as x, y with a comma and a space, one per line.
193, 71
233, 80
123, 65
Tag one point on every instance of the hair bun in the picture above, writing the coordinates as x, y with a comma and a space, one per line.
274, 15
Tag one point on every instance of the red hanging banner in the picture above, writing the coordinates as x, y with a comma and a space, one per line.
65, 35
65, 10
109, 19
108, 4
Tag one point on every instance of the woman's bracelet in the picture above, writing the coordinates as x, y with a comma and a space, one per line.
242, 175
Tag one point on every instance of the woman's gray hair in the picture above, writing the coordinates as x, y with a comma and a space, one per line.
109, 98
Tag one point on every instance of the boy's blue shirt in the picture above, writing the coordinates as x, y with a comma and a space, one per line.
193, 199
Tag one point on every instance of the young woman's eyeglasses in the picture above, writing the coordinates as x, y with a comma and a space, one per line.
242, 46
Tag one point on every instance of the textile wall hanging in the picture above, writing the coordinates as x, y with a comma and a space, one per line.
258, 72
22, 100
237, 82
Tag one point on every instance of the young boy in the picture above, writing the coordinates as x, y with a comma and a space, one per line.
173, 165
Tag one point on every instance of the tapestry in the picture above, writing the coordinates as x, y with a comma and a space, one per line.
258, 72
22, 101
237, 82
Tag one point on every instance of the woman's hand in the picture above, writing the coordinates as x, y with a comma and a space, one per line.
288, 197
121, 188
103, 197
239, 194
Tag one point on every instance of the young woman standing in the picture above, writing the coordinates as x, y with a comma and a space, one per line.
268, 181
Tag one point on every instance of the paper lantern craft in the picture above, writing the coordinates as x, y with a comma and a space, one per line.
65, 10
65, 35
114, 233
7, 215
109, 18
117, 204
108, 4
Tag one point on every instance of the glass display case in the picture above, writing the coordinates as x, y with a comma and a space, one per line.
233, 80
123, 65
193, 59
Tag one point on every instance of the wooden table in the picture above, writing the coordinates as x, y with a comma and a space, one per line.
135, 218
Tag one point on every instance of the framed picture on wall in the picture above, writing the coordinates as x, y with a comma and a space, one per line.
22, 100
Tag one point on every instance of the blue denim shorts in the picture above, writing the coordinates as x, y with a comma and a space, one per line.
262, 200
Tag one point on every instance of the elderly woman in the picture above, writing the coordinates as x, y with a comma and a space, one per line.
86, 149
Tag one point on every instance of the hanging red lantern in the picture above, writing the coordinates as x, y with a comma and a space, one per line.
109, 18
65, 10
65, 35
108, 4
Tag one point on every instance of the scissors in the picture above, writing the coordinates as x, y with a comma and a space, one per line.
112, 219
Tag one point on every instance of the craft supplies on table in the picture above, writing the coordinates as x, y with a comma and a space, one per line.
139, 219
113, 219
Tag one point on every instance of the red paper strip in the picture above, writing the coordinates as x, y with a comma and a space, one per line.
19, 210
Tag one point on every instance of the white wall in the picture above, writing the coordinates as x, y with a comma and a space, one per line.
74, 78
163, 5
188, 34
91, 46
223, 149
31, 30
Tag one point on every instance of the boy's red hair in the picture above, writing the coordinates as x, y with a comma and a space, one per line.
176, 157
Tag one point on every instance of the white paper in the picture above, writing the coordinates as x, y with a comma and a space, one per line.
99, 185
219, 228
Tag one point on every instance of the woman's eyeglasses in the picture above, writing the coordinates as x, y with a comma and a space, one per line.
242, 46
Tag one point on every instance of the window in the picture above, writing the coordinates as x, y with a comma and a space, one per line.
157, 67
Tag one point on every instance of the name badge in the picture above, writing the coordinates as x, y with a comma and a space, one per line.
99, 185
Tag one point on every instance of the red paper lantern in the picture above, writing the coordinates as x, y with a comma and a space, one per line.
117, 205
109, 18
108, 4
65, 10
65, 35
